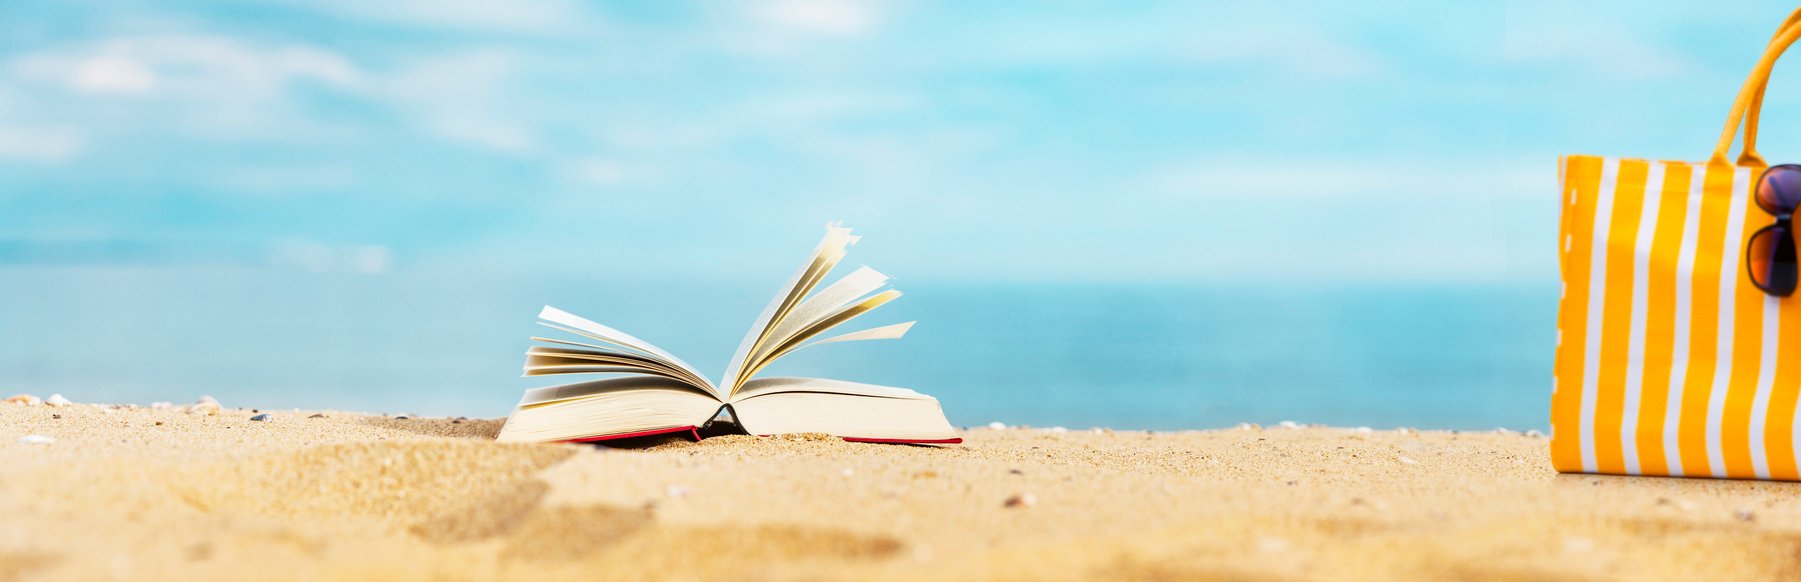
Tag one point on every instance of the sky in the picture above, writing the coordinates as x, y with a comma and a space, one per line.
1143, 214
1018, 141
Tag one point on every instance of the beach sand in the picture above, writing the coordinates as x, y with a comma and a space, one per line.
161, 494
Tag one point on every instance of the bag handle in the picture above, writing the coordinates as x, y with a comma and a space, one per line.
1750, 96
1754, 111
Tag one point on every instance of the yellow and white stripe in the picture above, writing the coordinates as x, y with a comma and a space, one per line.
1668, 362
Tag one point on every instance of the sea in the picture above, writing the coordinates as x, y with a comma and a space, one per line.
1163, 356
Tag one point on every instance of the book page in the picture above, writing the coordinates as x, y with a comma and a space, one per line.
845, 409
766, 386
554, 369
825, 256
886, 332
549, 394
607, 407
548, 340
831, 321
572, 323
624, 358
542, 360
821, 305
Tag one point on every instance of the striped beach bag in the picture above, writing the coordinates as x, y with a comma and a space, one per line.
1671, 358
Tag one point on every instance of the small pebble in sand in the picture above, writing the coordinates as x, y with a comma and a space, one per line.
57, 400
161, 405
401, 417
1506, 431
24, 400
1020, 500
1534, 433
56, 417
1015, 472
1057, 430
260, 417
1363, 430
36, 439
206, 405
1744, 515
1677, 503
1406, 461
317, 415
1248, 426
458, 420
1288, 424
997, 425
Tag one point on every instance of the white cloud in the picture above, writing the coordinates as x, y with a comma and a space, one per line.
827, 17
595, 171
1221, 178
231, 88
797, 29
112, 74
460, 97
280, 178
39, 144
1299, 50
1601, 46
506, 16
184, 66
217, 86
489, 133
327, 258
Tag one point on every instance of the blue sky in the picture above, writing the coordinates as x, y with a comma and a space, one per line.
1148, 214
1086, 141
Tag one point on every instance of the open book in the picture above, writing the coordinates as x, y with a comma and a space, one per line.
654, 392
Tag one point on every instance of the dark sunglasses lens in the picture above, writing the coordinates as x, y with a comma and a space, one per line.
1771, 259
1779, 191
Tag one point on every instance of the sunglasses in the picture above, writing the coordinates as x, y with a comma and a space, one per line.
1770, 256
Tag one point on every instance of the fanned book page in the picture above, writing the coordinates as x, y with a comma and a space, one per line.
646, 390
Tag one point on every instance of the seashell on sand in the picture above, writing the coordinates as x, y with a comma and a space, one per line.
36, 439
206, 405
24, 400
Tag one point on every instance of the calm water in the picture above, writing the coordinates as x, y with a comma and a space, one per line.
1160, 357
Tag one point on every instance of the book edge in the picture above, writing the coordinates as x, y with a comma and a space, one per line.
693, 432
949, 441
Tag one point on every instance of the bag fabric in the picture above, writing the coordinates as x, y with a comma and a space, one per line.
1669, 361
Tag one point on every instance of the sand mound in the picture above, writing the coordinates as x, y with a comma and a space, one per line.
17, 564
395, 481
